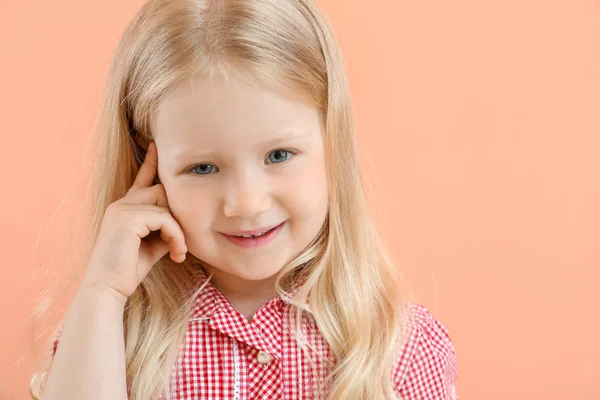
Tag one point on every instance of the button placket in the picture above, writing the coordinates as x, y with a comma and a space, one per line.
236, 372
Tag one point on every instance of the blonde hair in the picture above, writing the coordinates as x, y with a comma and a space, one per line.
354, 292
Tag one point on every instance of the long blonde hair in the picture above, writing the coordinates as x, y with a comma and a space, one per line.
355, 294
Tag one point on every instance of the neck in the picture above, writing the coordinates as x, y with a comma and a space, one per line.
247, 296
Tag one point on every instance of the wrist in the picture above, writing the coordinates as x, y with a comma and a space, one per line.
98, 289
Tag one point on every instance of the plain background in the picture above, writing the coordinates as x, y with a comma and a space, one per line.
479, 127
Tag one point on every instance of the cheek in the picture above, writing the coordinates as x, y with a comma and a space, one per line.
307, 193
191, 208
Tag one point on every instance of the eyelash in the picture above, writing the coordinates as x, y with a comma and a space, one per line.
292, 152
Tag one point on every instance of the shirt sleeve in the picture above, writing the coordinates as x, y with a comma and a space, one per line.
426, 367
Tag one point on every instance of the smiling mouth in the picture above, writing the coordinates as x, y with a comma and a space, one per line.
253, 236
253, 233
255, 241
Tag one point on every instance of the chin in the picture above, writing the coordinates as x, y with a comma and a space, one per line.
255, 275
251, 271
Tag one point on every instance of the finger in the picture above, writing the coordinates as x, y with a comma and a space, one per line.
156, 247
161, 197
151, 250
171, 233
153, 195
148, 169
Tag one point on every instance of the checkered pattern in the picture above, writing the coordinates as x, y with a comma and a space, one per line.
218, 357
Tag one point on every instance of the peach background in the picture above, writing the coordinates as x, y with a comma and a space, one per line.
480, 130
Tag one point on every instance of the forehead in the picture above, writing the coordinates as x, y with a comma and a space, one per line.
223, 112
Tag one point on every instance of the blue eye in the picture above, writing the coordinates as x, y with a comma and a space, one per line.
279, 153
280, 156
197, 169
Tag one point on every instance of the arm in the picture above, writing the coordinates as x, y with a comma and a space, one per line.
89, 363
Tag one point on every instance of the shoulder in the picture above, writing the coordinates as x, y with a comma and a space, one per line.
426, 366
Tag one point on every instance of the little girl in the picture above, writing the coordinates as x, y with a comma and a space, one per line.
232, 255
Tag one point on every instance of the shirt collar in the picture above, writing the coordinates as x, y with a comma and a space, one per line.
212, 307
209, 298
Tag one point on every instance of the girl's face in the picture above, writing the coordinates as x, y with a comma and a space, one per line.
232, 158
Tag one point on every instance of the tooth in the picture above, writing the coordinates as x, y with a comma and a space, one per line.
253, 236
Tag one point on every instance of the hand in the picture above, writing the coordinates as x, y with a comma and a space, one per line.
137, 230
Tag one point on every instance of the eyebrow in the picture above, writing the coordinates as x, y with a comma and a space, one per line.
290, 135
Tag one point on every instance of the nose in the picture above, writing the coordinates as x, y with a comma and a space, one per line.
246, 196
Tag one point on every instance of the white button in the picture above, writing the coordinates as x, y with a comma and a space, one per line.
263, 357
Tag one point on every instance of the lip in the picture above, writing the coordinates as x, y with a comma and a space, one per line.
261, 241
254, 231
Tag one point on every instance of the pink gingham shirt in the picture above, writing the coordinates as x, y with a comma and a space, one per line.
224, 356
